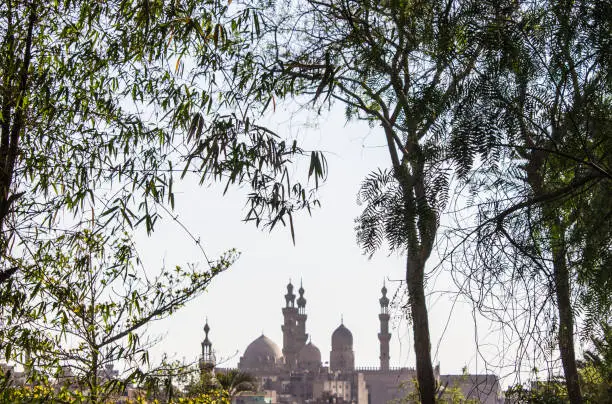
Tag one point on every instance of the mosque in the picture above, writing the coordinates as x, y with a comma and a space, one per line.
295, 374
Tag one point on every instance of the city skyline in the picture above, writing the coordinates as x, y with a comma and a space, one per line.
338, 278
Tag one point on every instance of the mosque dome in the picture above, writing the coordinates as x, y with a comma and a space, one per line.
310, 356
261, 353
342, 338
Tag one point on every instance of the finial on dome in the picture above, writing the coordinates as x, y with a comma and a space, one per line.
341, 318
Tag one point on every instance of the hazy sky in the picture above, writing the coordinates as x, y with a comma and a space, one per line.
339, 280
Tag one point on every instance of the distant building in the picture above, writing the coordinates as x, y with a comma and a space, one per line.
484, 388
15, 377
296, 373
108, 373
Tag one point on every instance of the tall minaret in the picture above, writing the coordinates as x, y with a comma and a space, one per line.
383, 335
290, 329
301, 336
207, 360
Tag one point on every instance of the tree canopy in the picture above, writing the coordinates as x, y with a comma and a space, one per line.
511, 97
103, 106
400, 66
535, 122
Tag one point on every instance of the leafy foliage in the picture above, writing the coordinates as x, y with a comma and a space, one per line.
42, 394
445, 395
104, 110
596, 366
102, 106
537, 120
382, 217
232, 382
97, 305
552, 392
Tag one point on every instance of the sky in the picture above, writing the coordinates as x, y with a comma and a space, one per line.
339, 280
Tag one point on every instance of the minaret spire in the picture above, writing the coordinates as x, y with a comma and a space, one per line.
290, 297
384, 336
207, 360
301, 301
301, 336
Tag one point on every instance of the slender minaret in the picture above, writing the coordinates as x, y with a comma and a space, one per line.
207, 360
383, 335
290, 329
301, 336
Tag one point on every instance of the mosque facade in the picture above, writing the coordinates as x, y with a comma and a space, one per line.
295, 374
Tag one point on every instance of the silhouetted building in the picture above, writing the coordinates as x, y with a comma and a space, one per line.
297, 375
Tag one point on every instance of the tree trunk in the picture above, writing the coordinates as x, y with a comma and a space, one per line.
13, 109
566, 319
93, 377
420, 329
557, 245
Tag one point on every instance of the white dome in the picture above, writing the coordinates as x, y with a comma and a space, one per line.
261, 353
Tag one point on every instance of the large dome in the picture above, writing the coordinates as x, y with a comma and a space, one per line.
342, 338
261, 353
310, 357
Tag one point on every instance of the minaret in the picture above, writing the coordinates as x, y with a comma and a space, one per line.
207, 360
301, 336
290, 329
383, 335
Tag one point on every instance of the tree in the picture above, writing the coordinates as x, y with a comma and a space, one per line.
594, 373
538, 119
446, 395
46, 393
596, 366
198, 382
549, 392
87, 101
102, 106
232, 382
398, 65
235, 382
100, 303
